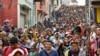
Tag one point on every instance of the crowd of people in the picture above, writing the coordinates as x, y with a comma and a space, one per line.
67, 36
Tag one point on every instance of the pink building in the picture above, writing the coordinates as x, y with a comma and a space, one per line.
41, 9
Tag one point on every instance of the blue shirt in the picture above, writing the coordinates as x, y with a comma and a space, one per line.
52, 53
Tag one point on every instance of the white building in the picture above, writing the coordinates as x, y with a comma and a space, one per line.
57, 4
69, 2
25, 13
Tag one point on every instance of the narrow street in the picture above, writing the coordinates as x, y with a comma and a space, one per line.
49, 28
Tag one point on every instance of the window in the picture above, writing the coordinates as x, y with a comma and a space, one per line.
57, 2
41, 2
1, 5
61, 1
52, 1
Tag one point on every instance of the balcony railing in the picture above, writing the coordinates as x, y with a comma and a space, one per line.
37, 0
95, 3
95, 0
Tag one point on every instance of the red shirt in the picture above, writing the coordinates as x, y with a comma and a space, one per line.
82, 31
8, 50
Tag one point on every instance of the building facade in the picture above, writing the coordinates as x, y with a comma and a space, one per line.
57, 4
42, 10
18, 12
8, 11
25, 13
70, 2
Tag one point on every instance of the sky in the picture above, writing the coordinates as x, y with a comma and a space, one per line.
81, 2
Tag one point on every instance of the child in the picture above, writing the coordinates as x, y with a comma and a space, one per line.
32, 51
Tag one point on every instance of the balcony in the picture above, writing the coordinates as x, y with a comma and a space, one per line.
95, 0
95, 3
26, 3
38, 0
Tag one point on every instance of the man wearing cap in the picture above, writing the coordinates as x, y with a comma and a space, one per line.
48, 51
14, 45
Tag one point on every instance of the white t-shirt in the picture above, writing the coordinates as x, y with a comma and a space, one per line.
92, 36
29, 43
55, 42
40, 46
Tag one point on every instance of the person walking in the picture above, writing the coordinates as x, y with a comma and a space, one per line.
48, 51
14, 45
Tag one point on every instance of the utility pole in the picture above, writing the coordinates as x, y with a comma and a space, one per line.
88, 12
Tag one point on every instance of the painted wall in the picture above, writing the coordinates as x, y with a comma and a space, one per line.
8, 11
